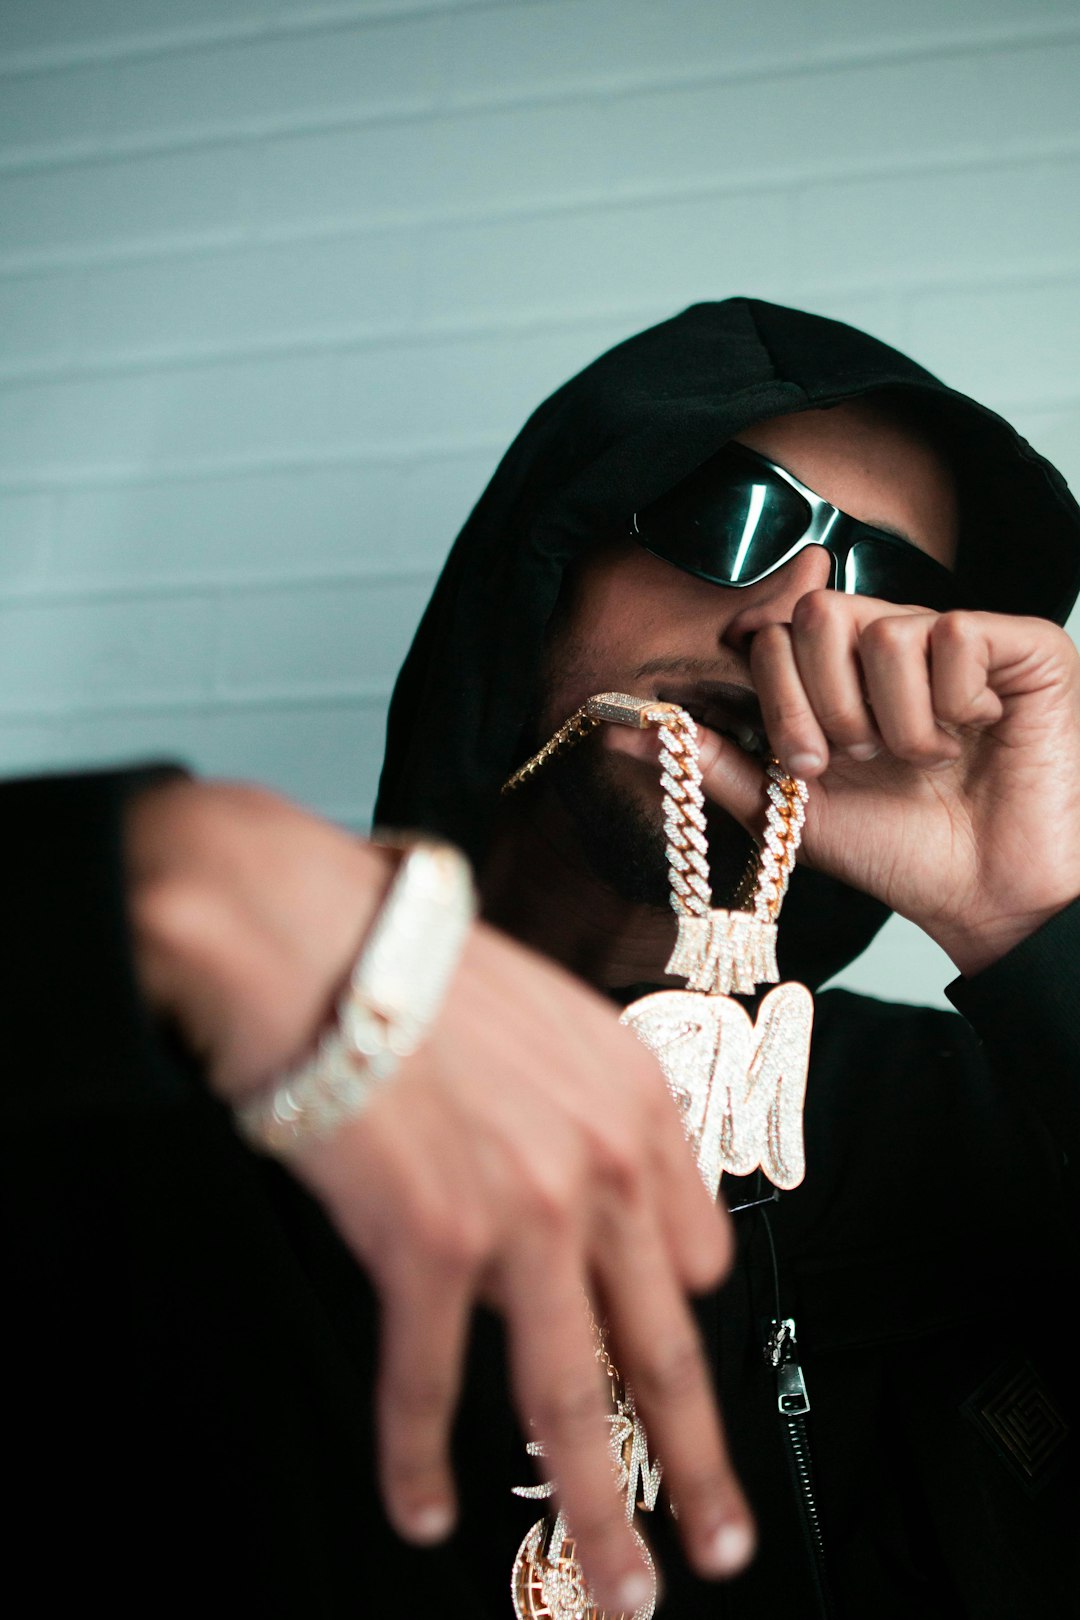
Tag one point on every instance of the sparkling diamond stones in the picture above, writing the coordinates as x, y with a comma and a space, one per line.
740, 1086
724, 951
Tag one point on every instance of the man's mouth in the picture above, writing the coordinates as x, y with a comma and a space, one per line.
731, 711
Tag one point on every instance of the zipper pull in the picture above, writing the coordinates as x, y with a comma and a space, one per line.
781, 1352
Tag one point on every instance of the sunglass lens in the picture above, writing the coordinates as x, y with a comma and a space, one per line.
731, 530
898, 572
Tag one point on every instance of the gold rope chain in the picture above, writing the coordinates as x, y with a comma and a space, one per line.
569, 734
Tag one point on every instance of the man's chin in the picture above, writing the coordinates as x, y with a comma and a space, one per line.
615, 805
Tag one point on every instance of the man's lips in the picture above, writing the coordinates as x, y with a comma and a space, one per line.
721, 706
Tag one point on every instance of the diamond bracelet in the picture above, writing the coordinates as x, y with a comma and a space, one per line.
393, 996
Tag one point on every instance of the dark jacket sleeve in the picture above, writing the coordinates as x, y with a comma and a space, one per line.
1026, 1010
79, 1039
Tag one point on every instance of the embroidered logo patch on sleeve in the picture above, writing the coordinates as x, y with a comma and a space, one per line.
1019, 1417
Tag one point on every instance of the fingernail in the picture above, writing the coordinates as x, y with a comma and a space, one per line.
802, 764
864, 751
727, 1550
431, 1523
634, 1591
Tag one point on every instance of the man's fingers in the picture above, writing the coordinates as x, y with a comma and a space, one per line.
791, 725
660, 1357
696, 1230
733, 780
424, 1325
562, 1396
893, 651
959, 666
859, 676
824, 640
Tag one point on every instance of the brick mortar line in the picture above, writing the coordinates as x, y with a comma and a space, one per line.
390, 336
418, 334
210, 588
52, 60
138, 476
216, 704
243, 237
437, 110
842, 54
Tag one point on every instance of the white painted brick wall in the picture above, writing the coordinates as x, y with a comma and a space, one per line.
280, 278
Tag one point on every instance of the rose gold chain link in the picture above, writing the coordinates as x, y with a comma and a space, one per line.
686, 842
775, 859
600, 1349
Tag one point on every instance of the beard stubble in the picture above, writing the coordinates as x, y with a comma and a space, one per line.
621, 833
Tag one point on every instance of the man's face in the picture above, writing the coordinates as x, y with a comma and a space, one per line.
630, 622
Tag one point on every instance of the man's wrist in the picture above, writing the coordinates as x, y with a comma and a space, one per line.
246, 913
974, 950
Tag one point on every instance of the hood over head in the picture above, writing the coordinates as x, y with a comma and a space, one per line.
621, 433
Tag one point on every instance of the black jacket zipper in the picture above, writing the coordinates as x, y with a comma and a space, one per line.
793, 1403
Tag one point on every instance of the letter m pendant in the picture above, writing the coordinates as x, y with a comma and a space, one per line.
740, 1086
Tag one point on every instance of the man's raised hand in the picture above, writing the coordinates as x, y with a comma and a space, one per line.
943, 752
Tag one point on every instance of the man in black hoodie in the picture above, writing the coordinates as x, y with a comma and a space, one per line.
943, 754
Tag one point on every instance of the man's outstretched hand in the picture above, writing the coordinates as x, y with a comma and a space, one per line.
529, 1154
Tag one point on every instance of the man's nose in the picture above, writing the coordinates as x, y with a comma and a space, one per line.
772, 600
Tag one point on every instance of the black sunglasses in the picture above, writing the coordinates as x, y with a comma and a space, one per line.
740, 517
